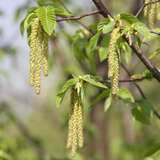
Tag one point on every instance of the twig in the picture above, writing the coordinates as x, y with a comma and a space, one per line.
103, 10
158, 33
78, 18
144, 60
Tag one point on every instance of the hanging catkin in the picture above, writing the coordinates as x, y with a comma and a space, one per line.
146, 9
113, 60
75, 134
45, 53
158, 11
38, 44
38, 61
33, 40
151, 15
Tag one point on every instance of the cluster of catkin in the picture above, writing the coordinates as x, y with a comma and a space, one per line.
38, 51
113, 61
75, 134
150, 11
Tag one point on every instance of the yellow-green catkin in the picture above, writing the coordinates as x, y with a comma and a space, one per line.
80, 126
151, 15
158, 11
75, 127
45, 53
33, 39
75, 134
113, 60
38, 61
70, 129
146, 9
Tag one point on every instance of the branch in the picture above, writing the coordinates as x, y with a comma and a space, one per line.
78, 18
144, 5
158, 33
144, 60
103, 10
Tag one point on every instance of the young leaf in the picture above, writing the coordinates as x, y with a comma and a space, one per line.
28, 20
125, 95
104, 22
103, 53
47, 18
63, 91
92, 80
22, 27
93, 41
154, 53
59, 9
107, 103
128, 18
143, 111
79, 43
102, 95
127, 53
104, 47
109, 27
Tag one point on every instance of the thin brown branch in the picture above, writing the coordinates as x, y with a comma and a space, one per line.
78, 18
158, 33
144, 5
144, 60
103, 10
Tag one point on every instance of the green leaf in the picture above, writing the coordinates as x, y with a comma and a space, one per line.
143, 111
92, 46
104, 47
4, 155
62, 12
92, 80
125, 95
137, 40
22, 27
144, 30
153, 149
128, 18
127, 53
79, 43
107, 103
104, 22
28, 20
154, 53
61, 94
103, 53
59, 9
93, 41
109, 27
47, 18
102, 95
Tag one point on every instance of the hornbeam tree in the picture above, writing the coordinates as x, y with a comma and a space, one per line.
113, 43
